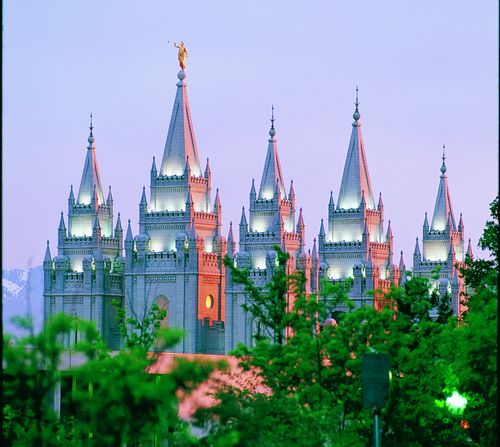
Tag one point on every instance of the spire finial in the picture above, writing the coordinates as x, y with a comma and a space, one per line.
356, 114
91, 135
272, 132
443, 166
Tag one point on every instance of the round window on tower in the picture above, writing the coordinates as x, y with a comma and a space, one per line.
209, 301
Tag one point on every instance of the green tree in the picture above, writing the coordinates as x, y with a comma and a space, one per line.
122, 403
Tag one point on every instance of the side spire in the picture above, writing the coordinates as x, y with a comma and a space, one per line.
129, 237
181, 141
272, 168
443, 208
48, 257
90, 177
469, 250
355, 177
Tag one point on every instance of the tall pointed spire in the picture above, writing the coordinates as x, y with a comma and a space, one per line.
90, 177
181, 141
314, 254
300, 222
243, 221
355, 178
272, 168
443, 207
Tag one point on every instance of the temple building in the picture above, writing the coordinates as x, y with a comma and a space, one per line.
86, 276
272, 221
443, 246
177, 258
354, 243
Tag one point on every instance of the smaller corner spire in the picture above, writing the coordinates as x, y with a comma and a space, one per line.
461, 224
252, 189
189, 197
118, 226
331, 203
217, 204
300, 222
402, 266
291, 192
97, 223
366, 231
48, 257
322, 229
71, 197
129, 237
469, 250
144, 202
380, 202
230, 236
389, 235
314, 250
110, 196
243, 221
62, 225
208, 171
426, 221
416, 252
153, 166
369, 260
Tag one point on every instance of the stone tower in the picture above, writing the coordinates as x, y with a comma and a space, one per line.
272, 215
443, 246
176, 260
87, 273
354, 244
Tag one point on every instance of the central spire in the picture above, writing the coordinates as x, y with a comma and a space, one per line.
91, 180
355, 178
181, 141
442, 208
272, 173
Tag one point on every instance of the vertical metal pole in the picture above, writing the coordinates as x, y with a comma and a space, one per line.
377, 442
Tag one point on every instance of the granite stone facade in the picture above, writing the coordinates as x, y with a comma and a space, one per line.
176, 259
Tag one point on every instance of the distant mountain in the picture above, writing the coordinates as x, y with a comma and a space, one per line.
19, 288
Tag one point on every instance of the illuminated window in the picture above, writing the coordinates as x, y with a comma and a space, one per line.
209, 301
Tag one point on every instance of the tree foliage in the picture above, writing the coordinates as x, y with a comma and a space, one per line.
313, 381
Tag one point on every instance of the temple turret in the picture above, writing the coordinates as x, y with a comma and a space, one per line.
272, 173
90, 177
355, 178
181, 141
442, 207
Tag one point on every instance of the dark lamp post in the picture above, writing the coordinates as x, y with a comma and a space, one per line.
375, 379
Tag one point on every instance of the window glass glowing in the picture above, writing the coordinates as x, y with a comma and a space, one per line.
209, 301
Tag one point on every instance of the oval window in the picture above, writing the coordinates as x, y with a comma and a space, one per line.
209, 301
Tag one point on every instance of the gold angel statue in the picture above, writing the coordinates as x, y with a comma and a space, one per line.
182, 53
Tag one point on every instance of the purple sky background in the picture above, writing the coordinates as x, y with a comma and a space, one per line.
427, 73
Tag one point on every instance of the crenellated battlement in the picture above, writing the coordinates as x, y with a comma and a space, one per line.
210, 259
152, 216
260, 236
204, 217
346, 245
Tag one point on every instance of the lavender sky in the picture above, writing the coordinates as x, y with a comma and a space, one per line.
426, 70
